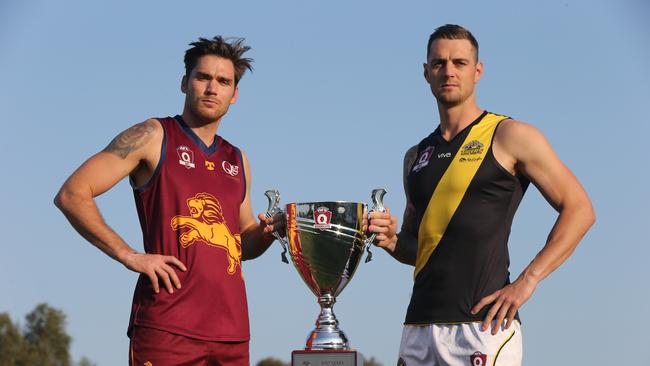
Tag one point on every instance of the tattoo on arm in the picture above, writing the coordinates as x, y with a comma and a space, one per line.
130, 139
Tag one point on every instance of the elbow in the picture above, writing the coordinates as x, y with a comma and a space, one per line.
247, 255
59, 200
591, 216
588, 213
63, 199
585, 217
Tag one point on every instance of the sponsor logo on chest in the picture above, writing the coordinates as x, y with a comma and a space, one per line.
230, 169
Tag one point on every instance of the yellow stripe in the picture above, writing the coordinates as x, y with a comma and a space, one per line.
452, 187
494, 362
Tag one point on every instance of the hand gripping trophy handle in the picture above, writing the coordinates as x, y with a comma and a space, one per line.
377, 197
273, 209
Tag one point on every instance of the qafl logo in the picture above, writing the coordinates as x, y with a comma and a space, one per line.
231, 170
478, 359
423, 159
186, 156
322, 218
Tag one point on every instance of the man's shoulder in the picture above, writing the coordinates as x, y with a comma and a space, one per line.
146, 137
518, 138
512, 130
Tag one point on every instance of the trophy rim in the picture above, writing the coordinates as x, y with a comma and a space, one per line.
321, 202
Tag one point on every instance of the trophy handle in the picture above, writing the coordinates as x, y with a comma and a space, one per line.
377, 197
274, 199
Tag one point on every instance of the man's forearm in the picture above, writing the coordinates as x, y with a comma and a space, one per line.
571, 225
84, 216
254, 242
406, 248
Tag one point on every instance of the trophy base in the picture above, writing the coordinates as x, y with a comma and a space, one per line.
326, 358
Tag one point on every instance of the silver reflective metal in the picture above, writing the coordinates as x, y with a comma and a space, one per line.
326, 243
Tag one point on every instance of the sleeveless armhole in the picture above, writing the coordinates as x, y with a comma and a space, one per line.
243, 171
494, 158
156, 172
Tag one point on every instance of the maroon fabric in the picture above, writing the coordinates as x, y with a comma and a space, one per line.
190, 210
152, 347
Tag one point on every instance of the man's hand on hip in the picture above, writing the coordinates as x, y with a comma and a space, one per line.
157, 267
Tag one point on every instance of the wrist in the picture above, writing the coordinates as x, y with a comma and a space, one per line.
125, 256
390, 245
530, 277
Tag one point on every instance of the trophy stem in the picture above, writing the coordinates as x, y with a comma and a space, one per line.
327, 335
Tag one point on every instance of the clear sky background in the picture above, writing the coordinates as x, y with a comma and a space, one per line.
336, 98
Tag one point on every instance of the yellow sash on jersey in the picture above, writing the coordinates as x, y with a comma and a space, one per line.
452, 187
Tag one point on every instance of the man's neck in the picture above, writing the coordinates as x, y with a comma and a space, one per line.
455, 119
205, 130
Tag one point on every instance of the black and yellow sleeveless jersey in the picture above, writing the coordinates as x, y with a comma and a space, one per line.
464, 201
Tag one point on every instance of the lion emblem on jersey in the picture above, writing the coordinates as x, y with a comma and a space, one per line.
207, 224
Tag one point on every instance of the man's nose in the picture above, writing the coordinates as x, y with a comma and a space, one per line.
448, 69
211, 88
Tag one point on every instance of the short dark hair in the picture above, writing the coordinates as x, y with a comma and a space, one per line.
452, 31
219, 46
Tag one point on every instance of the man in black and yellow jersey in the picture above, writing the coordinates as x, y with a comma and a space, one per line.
463, 184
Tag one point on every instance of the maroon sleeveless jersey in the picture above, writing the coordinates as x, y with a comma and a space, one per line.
190, 210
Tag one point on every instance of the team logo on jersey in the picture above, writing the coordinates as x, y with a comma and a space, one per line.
423, 159
322, 217
231, 170
207, 225
186, 156
209, 165
478, 359
472, 148
148, 363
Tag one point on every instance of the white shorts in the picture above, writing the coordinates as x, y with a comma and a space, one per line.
460, 345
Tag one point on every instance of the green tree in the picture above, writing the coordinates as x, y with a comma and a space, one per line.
270, 361
85, 362
43, 340
371, 362
47, 342
11, 342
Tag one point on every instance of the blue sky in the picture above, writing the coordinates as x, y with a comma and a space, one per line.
336, 98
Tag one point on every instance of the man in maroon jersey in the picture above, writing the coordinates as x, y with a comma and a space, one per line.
192, 192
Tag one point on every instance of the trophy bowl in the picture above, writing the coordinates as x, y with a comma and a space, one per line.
326, 241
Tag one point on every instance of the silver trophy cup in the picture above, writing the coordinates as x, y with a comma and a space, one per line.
326, 243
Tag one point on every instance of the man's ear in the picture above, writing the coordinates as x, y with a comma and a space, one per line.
235, 95
184, 84
426, 72
479, 72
